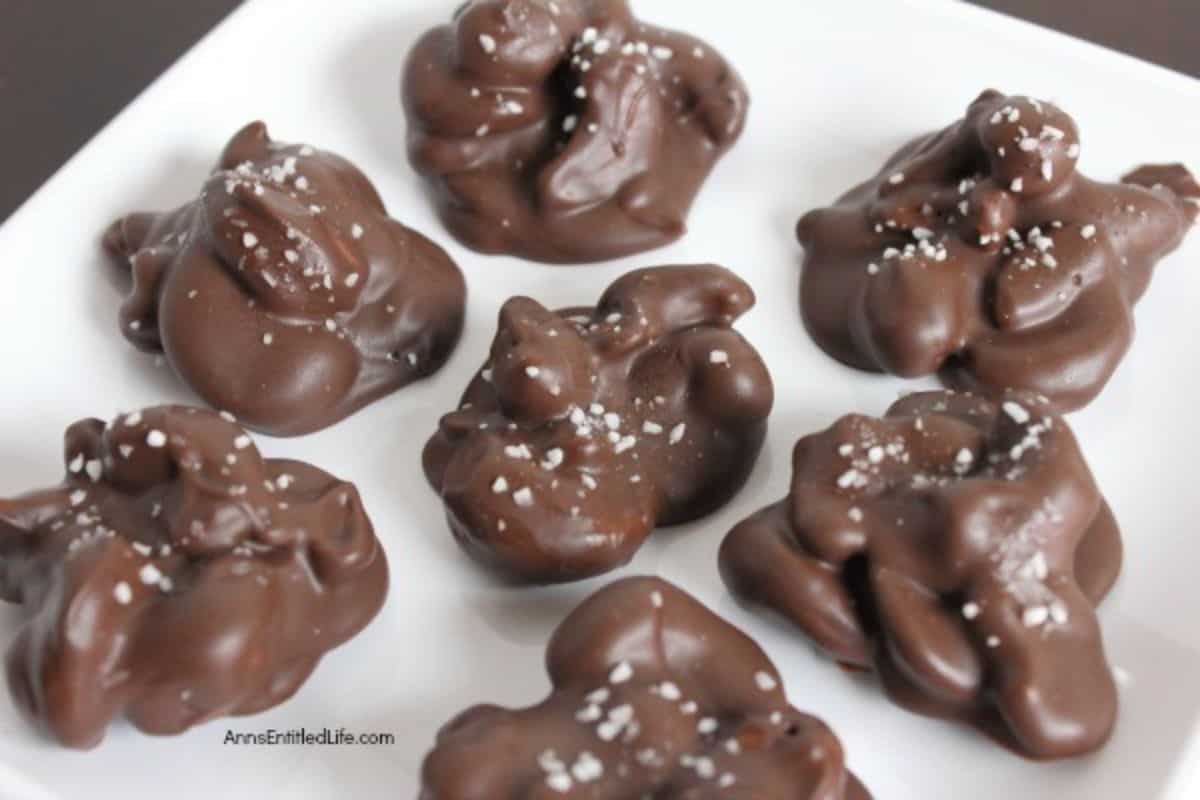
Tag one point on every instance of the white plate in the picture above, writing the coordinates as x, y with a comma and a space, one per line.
835, 89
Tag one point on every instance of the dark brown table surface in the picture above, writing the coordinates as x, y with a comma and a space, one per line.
67, 66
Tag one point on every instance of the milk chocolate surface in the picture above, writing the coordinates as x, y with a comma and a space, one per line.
175, 575
285, 294
981, 253
588, 427
566, 130
958, 546
653, 696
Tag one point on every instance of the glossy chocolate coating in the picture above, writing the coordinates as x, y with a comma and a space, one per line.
588, 427
959, 548
175, 576
566, 131
653, 696
980, 252
285, 294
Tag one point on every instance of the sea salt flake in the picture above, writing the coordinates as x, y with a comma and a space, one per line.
849, 478
669, 691
123, 593
621, 673
598, 696
589, 713
559, 782
587, 768
765, 681
1034, 616
1016, 412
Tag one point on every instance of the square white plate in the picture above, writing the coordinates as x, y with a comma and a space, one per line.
836, 87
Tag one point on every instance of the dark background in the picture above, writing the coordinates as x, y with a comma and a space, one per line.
68, 66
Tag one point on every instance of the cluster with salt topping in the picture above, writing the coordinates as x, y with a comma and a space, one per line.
981, 253
176, 576
566, 130
586, 428
285, 293
959, 547
653, 696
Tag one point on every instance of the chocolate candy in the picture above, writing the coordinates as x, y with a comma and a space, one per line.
588, 427
285, 294
654, 696
566, 130
958, 546
176, 576
981, 253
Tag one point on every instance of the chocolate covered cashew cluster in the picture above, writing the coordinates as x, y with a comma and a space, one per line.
958, 546
653, 696
285, 294
981, 253
175, 576
587, 427
566, 130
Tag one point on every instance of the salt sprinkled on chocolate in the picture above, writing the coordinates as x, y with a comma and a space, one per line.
640, 737
607, 427
981, 254
267, 248
644, 126
189, 522
980, 548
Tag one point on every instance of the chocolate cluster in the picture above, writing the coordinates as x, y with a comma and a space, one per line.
983, 254
958, 546
566, 130
285, 294
588, 427
175, 576
653, 696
